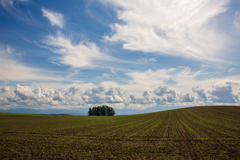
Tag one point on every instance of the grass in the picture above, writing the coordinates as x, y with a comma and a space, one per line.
20, 114
209, 132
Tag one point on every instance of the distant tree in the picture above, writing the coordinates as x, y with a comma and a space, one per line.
108, 111
103, 110
99, 111
90, 112
94, 110
112, 112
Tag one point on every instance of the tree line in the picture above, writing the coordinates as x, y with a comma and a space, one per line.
103, 110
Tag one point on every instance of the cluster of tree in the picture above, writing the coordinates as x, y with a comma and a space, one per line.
103, 110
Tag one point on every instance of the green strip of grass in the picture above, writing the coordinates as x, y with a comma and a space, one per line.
20, 114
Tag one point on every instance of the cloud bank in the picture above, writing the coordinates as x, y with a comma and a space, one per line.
79, 97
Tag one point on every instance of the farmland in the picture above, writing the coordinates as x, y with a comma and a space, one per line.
209, 132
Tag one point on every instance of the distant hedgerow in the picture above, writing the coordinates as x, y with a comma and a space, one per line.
103, 110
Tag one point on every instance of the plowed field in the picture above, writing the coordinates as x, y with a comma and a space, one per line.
209, 132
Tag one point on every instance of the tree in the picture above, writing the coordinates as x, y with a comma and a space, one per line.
90, 112
112, 112
103, 110
108, 111
94, 110
99, 111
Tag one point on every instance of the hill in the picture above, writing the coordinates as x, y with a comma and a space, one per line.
209, 132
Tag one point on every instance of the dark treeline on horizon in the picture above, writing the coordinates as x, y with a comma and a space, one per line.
103, 110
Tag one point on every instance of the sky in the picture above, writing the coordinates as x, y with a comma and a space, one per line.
132, 55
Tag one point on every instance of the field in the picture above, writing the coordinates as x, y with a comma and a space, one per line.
209, 132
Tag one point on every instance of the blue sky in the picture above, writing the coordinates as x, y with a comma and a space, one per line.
133, 54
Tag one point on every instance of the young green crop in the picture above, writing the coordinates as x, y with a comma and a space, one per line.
190, 133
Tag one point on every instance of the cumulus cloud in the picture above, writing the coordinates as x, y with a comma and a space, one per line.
4, 89
84, 54
115, 95
55, 18
136, 100
98, 90
160, 91
182, 78
24, 92
94, 95
171, 98
224, 95
179, 28
58, 97
200, 93
94, 99
159, 100
186, 97
91, 96
146, 95
73, 90
6, 95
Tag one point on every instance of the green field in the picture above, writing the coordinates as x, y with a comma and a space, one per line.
210, 132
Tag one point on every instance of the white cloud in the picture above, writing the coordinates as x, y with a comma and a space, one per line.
5, 89
12, 70
200, 93
84, 54
59, 97
55, 18
186, 97
155, 77
145, 60
179, 28
9, 5
12, 7
183, 78
115, 95
77, 96
160, 91
24, 92
152, 60
165, 95
144, 90
237, 21
231, 70
146, 95
160, 100
136, 100
226, 81
224, 95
